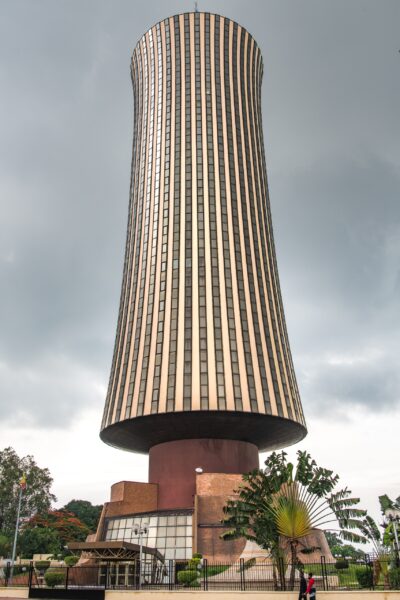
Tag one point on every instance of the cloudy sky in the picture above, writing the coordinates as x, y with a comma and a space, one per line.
331, 98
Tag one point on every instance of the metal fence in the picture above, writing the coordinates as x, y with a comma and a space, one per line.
176, 575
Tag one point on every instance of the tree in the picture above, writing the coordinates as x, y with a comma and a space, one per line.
88, 513
338, 548
371, 531
280, 505
66, 525
391, 513
5, 546
37, 496
39, 540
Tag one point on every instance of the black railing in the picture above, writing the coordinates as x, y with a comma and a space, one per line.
257, 575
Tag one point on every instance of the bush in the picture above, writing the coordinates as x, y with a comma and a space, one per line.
197, 555
70, 561
193, 563
53, 578
364, 577
341, 563
186, 578
394, 578
42, 565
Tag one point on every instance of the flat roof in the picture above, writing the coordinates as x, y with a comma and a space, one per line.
114, 549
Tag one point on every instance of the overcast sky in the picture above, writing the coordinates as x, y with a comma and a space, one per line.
331, 98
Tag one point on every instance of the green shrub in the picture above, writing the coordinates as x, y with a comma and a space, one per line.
364, 577
197, 555
70, 561
53, 578
186, 578
193, 564
341, 563
42, 565
394, 578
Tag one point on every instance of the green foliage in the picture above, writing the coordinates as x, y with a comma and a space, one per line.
66, 525
5, 546
283, 502
278, 506
386, 503
389, 537
370, 530
71, 560
38, 540
333, 539
41, 565
394, 578
53, 578
338, 548
364, 576
197, 555
193, 563
187, 577
341, 564
36, 498
86, 512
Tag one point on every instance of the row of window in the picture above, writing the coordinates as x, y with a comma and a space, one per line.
171, 535
227, 203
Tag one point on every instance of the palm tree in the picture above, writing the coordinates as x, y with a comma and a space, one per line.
279, 505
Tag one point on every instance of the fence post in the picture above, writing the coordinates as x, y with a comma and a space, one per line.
66, 578
241, 570
324, 573
170, 573
106, 577
281, 569
205, 574
7, 574
30, 574
369, 565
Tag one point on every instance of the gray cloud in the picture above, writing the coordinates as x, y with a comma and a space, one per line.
331, 95
338, 386
338, 233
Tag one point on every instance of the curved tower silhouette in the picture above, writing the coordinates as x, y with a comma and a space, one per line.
202, 373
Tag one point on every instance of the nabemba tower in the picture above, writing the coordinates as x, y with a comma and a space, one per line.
202, 377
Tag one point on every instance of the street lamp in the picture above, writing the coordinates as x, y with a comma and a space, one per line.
140, 530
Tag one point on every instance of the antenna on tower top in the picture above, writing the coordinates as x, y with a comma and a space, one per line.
196, 7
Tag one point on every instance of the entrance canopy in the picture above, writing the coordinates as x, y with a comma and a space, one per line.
114, 550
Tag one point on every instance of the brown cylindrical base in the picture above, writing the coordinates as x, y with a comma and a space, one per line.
172, 465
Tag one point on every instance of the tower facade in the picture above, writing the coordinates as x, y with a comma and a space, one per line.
202, 373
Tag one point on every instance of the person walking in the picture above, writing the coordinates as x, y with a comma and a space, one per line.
303, 586
311, 587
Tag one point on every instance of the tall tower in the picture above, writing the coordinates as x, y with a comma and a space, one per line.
202, 374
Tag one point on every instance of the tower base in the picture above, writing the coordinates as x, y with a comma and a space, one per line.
172, 466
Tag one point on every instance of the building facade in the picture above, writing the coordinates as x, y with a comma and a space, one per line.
202, 374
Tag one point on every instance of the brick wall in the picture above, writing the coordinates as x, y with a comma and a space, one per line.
212, 492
